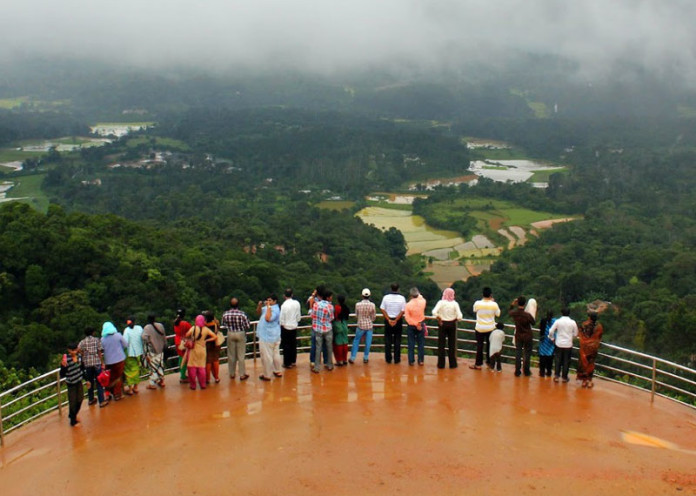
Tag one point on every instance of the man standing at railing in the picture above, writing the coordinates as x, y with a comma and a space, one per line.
322, 318
415, 317
393, 307
365, 314
523, 336
237, 324
290, 315
486, 311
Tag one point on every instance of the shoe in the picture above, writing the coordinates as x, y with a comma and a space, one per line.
129, 393
411, 363
541, 374
315, 370
365, 360
584, 384
556, 379
527, 374
232, 377
244, 377
151, 387
104, 404
517, 373
565, 379
311, 365
453, 366
277, 374
420, 363
498, 370
475, 367
183, 381
590, 385
329, 368
92, 402
351, 361
217, 381
264, 378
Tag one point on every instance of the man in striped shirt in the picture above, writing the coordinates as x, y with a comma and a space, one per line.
73, 370
322, 317
486, 311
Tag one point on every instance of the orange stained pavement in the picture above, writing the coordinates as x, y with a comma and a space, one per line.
363, 429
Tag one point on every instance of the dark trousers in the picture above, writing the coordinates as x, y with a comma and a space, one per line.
562, 361
415, 336
392, 340
523, 352
545, 365
288, 343
75, 395
482, 346
495, 362
91, 376
447, 334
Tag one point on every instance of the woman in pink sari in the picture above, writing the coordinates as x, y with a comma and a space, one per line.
590, 337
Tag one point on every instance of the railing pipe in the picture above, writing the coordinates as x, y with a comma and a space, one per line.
2, 431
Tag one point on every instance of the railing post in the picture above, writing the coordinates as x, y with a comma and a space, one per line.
254, 343
654, 381
60, 401
2, 433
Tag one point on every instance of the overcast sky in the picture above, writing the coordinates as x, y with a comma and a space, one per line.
338, 35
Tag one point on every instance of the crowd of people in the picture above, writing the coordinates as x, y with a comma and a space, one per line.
113, 365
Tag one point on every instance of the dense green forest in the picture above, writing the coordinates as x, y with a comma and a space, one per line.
63, 271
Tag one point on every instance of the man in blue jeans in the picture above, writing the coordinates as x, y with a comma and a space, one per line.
365, 313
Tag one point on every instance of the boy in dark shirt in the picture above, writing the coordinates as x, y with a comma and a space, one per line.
73, 370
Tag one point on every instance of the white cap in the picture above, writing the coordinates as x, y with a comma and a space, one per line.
366, 292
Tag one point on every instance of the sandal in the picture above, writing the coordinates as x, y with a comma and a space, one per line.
277, 374
264, 378
475, 367
150, 387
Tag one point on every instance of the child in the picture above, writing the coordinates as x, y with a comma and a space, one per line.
546, 346
496, 347
73, 370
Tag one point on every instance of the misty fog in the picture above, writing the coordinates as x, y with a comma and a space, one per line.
338, 36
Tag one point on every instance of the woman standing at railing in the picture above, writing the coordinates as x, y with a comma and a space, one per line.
447, 312
114, 358
200, 334
590, 338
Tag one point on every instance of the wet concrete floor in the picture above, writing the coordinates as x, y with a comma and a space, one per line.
363, 429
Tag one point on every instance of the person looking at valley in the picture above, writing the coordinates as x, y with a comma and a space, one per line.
486, 310
562, 333
237, 324
523, 336
365, 314
590, 338
393, 306
447, 312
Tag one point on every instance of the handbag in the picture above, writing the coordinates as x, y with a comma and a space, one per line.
104, 378
219, 338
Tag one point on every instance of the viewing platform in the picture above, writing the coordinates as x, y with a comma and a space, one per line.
373, 428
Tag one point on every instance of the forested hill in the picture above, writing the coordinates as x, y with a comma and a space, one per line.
63, 271
634, 248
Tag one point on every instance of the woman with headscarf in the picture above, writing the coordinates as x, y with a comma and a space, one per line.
133, 336
181, 327
447, 312
590, 337
196, 361
212, 349
114, 358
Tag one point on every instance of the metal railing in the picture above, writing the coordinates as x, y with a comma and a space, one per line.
46, 393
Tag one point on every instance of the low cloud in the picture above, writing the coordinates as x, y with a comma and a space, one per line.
332, 36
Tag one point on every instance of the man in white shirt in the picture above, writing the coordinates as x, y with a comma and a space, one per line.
486, 311
393, 306
562, 332
290, 315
